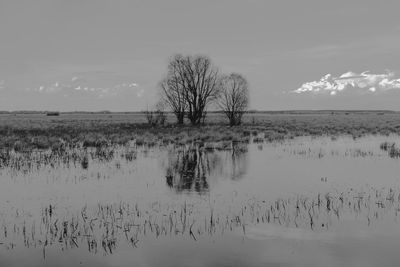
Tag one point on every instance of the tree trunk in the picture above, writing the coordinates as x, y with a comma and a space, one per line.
180, 117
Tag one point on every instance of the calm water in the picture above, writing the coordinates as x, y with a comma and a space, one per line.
306, 201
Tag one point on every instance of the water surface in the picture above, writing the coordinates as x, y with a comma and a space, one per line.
305, 201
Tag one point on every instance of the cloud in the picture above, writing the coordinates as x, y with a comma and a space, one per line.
77, 79
75, 89
364, 82
133, 85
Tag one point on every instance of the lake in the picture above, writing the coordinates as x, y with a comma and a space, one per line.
306, 201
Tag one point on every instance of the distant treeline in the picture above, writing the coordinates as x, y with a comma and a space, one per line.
327, 111
210, 112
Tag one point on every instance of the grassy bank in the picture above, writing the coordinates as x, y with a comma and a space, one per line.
37, 131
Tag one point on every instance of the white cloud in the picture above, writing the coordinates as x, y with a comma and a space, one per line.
366, 81
133, 85
85, 89
75, 78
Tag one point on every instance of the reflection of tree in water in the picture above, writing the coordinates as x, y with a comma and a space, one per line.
189, 169
239, 162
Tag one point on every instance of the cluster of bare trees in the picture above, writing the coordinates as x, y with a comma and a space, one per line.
193, 83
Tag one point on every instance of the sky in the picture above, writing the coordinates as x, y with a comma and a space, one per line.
111, 54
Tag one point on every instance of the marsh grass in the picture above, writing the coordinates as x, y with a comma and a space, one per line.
27, 132
104, 227
81, 155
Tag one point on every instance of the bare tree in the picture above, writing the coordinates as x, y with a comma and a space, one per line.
173, 91
234, 97
203, 86
194, 78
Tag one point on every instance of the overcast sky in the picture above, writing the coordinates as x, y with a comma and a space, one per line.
110, 55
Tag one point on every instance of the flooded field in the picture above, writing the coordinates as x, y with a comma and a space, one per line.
306, 201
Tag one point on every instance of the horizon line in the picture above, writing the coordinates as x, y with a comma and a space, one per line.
213, 111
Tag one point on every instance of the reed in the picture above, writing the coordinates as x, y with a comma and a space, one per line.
102, 228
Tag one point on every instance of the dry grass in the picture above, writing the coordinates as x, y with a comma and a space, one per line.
26, 132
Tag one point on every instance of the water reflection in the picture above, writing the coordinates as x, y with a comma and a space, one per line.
239, 162
191, 169
188, 170
108, 202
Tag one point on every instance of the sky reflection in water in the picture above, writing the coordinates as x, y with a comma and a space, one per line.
208, 185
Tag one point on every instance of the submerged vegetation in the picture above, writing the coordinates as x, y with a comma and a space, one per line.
101, 229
